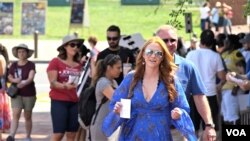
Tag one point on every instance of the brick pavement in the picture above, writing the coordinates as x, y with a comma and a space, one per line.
42, 127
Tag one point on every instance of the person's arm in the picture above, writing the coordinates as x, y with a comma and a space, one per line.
245, 85
2, 65
112, 121
198, 90
222, 76
1, 68
11, 74
203, 108
226, 7
105, 87
180, 114
32, 71
52, 74
28, 80
108, 92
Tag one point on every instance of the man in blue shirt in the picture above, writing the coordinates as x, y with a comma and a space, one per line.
190, 80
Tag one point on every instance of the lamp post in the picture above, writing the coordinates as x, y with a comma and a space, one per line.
35, 42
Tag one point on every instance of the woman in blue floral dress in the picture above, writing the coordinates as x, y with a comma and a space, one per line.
157, 99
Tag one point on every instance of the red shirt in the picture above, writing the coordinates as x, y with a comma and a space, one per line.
63, 73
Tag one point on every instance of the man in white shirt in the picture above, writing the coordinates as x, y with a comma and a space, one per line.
210, 65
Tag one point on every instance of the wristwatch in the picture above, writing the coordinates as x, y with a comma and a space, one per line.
211, 125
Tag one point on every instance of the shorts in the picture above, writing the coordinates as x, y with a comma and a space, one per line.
216, 26
221, 22
229, 106
23, 102
64, 116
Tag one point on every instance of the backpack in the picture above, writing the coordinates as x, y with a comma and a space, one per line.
87, 106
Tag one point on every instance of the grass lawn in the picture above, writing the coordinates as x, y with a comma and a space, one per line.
103, 13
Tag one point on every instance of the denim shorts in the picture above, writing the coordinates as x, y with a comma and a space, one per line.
64, 116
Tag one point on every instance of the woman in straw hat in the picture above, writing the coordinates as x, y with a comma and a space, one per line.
63, 74
22, 72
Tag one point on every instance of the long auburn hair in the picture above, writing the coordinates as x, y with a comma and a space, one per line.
167, 69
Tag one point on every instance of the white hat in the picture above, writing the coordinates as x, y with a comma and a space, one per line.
23, 46
69, 38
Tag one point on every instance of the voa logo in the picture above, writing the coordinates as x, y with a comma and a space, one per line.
236, 132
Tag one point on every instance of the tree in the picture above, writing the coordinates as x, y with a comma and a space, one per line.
174, 14
179, 11
247, 9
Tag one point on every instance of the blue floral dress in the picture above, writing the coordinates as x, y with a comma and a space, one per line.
149, 120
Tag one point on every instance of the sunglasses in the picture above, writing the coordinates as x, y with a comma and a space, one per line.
112, 38
73, 45
157, 53
169, 40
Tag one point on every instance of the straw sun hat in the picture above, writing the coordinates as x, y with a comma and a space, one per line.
22, 46
69, 38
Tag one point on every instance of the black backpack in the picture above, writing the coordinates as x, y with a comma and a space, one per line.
87, 106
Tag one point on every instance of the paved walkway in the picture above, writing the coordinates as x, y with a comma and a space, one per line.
47, 48
42, 127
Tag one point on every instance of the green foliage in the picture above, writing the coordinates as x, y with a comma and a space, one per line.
247, 9
175, 13
103, 13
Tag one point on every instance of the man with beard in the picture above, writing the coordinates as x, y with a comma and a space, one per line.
126, 55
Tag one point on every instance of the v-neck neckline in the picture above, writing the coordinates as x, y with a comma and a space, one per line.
155, 92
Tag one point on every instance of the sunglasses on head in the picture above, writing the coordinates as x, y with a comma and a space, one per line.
150, 52
169, 40
73, 45
112, 38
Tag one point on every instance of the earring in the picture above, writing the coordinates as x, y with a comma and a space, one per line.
143, 63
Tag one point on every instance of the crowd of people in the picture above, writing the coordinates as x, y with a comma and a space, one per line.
169, 88
219, 17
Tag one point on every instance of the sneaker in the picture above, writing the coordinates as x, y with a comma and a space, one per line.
28, 139
10, 138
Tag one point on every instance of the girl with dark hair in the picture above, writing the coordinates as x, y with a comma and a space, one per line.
220, 39
107, 70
